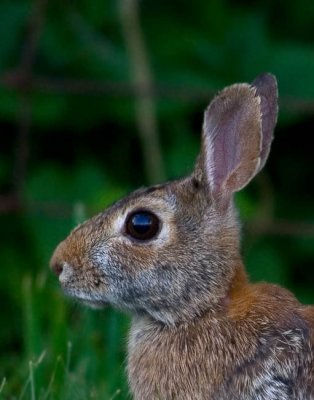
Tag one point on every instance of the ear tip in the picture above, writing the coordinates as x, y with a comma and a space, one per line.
267, 89
266, 82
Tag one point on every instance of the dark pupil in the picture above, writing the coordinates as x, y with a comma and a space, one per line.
142, 225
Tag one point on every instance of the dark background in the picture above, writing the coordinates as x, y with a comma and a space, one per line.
100, 97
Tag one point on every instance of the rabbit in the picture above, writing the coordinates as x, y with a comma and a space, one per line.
169, 255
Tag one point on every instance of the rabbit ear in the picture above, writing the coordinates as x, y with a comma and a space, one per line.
266, 89
237, 133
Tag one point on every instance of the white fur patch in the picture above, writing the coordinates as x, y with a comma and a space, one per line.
209, 135
66, 273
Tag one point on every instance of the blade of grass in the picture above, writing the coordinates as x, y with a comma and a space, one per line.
32, 380
68, 359
24, 389
116, 393
3, 382
52, 379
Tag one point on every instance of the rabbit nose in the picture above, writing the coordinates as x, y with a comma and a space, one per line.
63, 270
58, 264
57, 268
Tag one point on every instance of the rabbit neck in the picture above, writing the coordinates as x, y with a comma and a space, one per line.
237, 289
155, 348
227, 305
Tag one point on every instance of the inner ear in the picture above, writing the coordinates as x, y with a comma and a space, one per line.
233, 144
232, 139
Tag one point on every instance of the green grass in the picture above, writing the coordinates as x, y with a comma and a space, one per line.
69, 352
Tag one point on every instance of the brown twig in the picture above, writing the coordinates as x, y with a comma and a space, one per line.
66, 86
22, 146
280, 228
52, 209
24, 77
141, 77
9, 204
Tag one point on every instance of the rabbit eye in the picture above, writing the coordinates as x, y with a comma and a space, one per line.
142, 225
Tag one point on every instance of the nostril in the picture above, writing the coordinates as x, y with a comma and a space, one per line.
57, 268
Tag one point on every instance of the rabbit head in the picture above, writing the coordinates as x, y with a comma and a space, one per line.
170, 251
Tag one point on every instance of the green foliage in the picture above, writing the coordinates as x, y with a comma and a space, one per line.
85, 153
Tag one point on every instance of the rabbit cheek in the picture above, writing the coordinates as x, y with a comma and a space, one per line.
83, 279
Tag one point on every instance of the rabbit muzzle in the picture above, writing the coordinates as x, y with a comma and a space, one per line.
77, 276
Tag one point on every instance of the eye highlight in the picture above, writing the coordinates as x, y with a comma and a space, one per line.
142, 225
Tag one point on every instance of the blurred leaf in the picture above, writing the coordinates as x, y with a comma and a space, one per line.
265, 263
246, 205
290, 62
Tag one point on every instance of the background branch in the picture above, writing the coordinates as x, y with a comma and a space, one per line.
88, 87
24, 76
141, 77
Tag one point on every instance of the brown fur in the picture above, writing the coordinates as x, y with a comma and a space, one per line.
200, 330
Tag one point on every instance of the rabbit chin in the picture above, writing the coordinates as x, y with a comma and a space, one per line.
95, 304
90, 301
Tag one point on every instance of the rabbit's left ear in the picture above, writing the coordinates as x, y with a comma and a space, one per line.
237, 134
